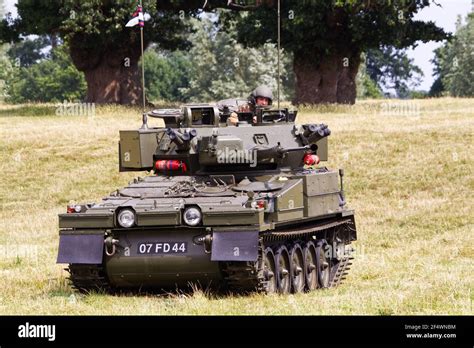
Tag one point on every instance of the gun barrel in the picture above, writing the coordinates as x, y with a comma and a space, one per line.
278, 151
282, 150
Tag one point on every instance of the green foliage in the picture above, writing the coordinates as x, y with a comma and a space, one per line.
216, 67
388, 69
166, 75
391, 69
437, 88
5, 64
418, 94
223, 68
321, 33
96, 35
95, 29
366, 87
51, 80
29, 51
6, 70
454, 63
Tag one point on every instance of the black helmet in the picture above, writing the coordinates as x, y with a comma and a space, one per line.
261, 91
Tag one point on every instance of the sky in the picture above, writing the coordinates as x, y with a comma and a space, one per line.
444, 17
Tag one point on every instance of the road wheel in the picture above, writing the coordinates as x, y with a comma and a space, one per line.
311, 272
323, 264
269, 271
297, 269
282, 259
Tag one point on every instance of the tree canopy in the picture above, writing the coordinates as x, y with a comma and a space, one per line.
100, 45
391, 69
50, 80
222, 67
454, 63
328, 37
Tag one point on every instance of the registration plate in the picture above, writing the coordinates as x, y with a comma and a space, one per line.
162, 248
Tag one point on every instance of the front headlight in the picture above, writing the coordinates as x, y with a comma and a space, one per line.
126, 218
192, 216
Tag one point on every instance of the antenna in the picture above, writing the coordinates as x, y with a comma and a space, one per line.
144, 115
279, 44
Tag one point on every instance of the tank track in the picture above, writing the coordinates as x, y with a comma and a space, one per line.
248, 276
86, 278
340, 271
244, 276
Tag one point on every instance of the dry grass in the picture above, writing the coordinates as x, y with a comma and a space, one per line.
409, 175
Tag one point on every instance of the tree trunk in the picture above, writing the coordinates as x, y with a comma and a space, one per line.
113, 75
114, 84
329, 78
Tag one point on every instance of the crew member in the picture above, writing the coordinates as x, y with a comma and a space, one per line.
261, 97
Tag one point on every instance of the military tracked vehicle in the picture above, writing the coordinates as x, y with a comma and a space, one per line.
245, 207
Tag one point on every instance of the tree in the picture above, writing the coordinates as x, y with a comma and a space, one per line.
454, 63
5, 63
223, 68
366, 87
167, 73
29, 51
51, 80
328, 37
100, 45
6, 69
391, 69
216, 67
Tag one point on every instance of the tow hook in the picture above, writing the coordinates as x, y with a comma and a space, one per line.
206, 241
110, 244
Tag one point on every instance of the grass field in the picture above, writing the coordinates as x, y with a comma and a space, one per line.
409, 175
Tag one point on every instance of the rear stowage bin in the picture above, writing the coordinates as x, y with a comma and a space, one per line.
321, 193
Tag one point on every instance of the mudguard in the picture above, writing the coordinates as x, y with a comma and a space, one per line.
235, 246
81, 249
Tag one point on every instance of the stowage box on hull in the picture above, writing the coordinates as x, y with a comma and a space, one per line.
321, 193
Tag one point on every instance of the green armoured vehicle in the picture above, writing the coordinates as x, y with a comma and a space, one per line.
244, 206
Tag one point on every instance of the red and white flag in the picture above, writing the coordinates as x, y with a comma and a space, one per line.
138, 18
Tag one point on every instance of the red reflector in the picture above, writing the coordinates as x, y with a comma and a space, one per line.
261, 204
70, 209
